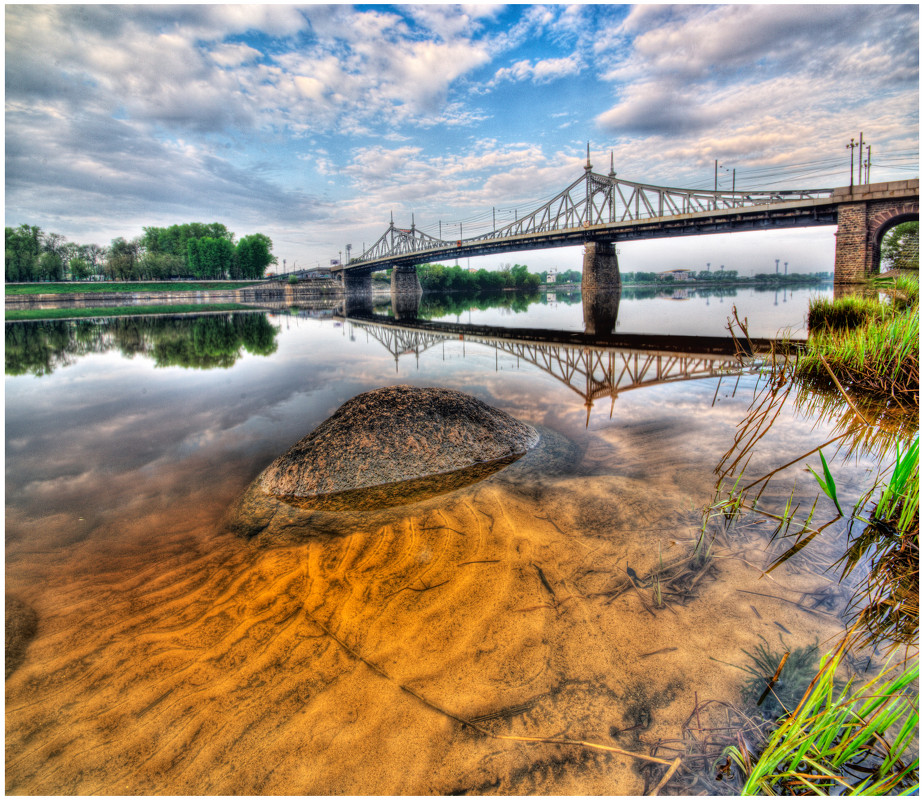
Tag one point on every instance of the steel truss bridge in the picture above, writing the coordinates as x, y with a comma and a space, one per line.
589, 368
605, 208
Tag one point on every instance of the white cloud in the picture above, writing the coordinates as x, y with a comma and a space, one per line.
542, 71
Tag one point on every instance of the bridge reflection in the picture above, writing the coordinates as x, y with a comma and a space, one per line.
595, 364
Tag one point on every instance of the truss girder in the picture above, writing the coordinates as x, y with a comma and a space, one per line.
592, 373
591, 200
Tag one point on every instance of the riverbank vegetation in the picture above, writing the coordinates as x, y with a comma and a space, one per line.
28, 314
440, 278
193, 250
847, 723
154, 287
867, 346
204, 341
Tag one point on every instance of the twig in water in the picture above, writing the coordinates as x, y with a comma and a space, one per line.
843, 393
776, 676
483, 731
413, 589
640, 595
783, 599
658, 652
667, 776
542, 578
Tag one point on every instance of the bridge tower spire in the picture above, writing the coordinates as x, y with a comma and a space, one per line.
612, 166
588, 167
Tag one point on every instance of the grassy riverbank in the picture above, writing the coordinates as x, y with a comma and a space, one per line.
868, 347
25, 314
98, 287
845, 721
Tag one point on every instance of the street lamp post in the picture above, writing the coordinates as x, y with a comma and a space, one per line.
851, 147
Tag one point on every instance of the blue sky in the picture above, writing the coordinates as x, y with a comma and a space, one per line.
313, 123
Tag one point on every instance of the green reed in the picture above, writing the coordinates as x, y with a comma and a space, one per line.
870, 347
841, 738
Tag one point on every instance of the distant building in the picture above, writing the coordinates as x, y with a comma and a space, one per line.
677, 275
551, 275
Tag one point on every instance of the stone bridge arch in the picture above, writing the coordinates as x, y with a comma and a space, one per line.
864, 215
881, 223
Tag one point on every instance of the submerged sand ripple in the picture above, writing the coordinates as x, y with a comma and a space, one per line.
208, 673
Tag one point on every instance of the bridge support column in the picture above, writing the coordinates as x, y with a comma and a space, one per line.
601, 308
601, 267
850, 250
405, 306
404, 281
357, 290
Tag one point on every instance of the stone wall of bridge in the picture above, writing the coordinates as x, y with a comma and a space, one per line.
864, 216
601, 267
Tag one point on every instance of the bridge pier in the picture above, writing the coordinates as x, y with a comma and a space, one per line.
405, 306
601, 267
601, 309
404, 281
357, 293
864, 215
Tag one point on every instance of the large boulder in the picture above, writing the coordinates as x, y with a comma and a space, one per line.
384, 448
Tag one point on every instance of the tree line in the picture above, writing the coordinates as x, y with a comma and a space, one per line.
440, 278
197, 250
206, 342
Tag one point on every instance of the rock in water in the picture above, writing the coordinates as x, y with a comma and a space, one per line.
383, 448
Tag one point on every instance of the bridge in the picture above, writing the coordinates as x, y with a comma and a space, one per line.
598, 211
593, 366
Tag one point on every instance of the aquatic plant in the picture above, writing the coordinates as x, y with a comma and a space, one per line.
841, 313
888, 607
849, 740
879, 358
868, 346
793, 672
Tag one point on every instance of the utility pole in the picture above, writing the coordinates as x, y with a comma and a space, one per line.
869, 150
860, 165
850, 147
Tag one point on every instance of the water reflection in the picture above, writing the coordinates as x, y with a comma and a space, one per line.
590, 370
170, 658
200, 342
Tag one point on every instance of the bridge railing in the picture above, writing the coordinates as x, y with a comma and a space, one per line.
591, 200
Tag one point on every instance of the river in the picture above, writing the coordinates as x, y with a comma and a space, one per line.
172, 657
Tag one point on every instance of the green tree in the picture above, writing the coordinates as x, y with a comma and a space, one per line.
252, 256
50, 267
79, 268
23, 246
122, 260
213, 256
900, 245
175, 239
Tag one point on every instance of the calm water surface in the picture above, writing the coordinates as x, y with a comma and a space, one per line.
172, 657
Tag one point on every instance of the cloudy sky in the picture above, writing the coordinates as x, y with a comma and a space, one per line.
313, 123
